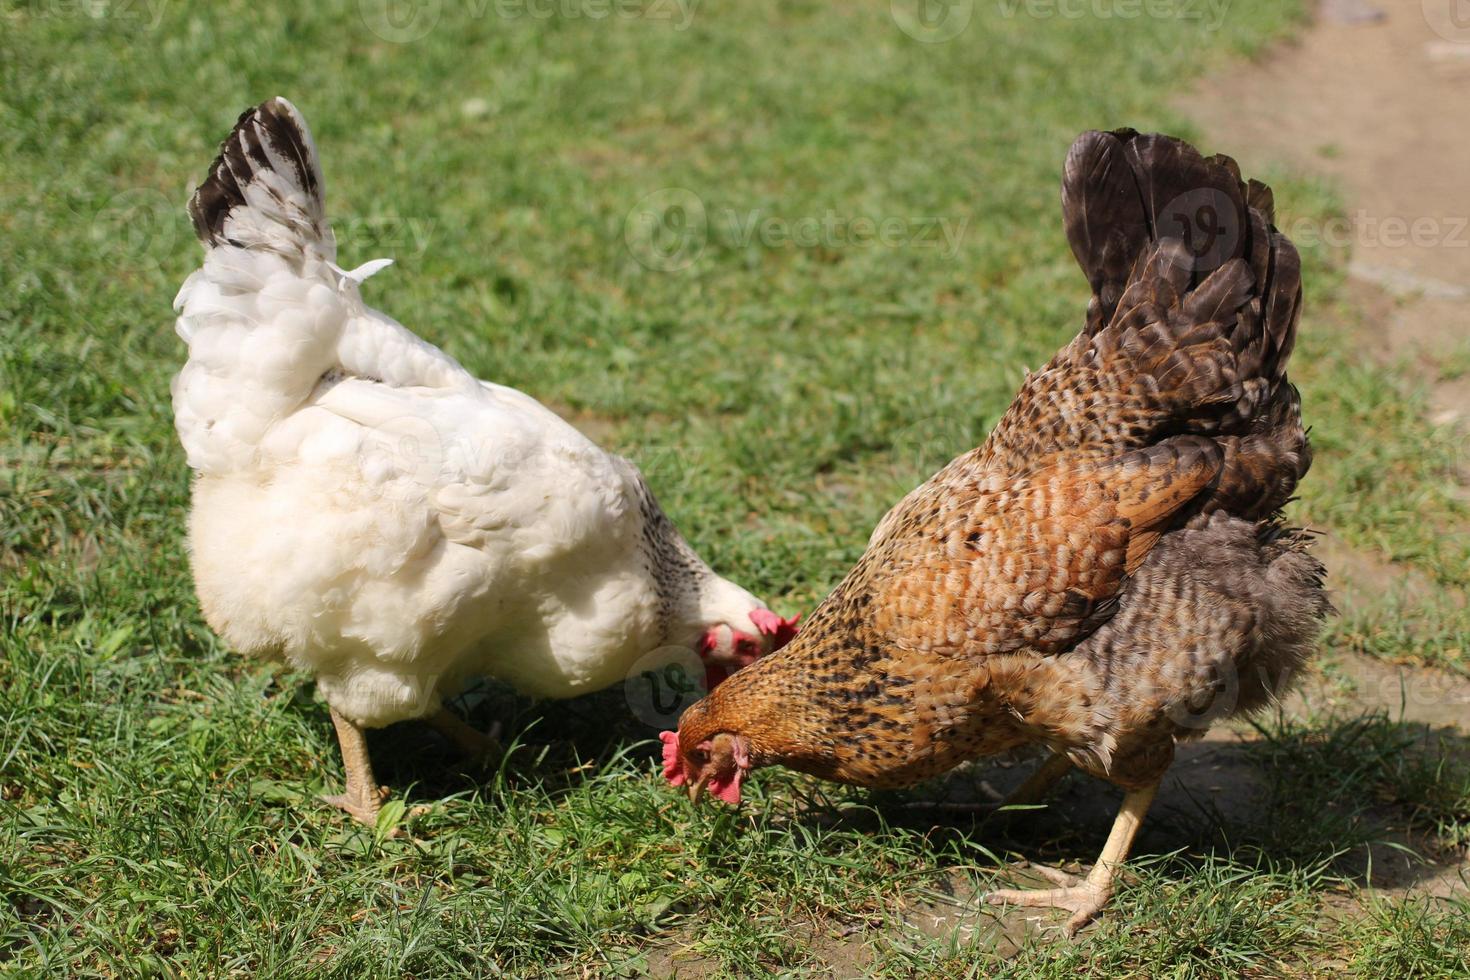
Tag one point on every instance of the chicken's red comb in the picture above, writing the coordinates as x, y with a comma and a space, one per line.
673, 770
770, 624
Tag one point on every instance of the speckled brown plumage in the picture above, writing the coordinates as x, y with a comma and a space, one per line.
1105, 575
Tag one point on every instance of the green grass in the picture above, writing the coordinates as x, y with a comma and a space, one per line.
156, 810
1329, 785
1454, 364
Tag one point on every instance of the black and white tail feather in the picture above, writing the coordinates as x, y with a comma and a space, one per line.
270, 314
264, 189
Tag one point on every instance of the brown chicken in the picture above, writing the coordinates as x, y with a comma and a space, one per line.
1107, 575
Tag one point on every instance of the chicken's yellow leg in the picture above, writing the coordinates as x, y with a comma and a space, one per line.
363, 797
1087, 898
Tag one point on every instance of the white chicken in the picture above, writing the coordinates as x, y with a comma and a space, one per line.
367, 509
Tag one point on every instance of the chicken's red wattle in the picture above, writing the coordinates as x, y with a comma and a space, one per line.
673, 771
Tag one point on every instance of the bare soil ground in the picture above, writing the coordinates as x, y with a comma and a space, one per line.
1378, 106
1373, 97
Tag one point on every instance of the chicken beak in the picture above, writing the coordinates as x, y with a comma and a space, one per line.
696, 789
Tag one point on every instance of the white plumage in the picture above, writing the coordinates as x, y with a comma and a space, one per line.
371, 511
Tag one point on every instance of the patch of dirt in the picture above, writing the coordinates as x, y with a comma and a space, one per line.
1353, 683
1374, 103
1367, 97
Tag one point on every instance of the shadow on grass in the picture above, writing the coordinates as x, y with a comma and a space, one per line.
1373, 801
557, 744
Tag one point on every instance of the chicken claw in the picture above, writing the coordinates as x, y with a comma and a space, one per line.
362, 805
1083, 899
362, 797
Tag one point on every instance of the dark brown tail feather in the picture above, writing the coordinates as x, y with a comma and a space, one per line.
1124, 192
1182, 256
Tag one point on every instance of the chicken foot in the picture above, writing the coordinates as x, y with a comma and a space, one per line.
362, 797
1086, 899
